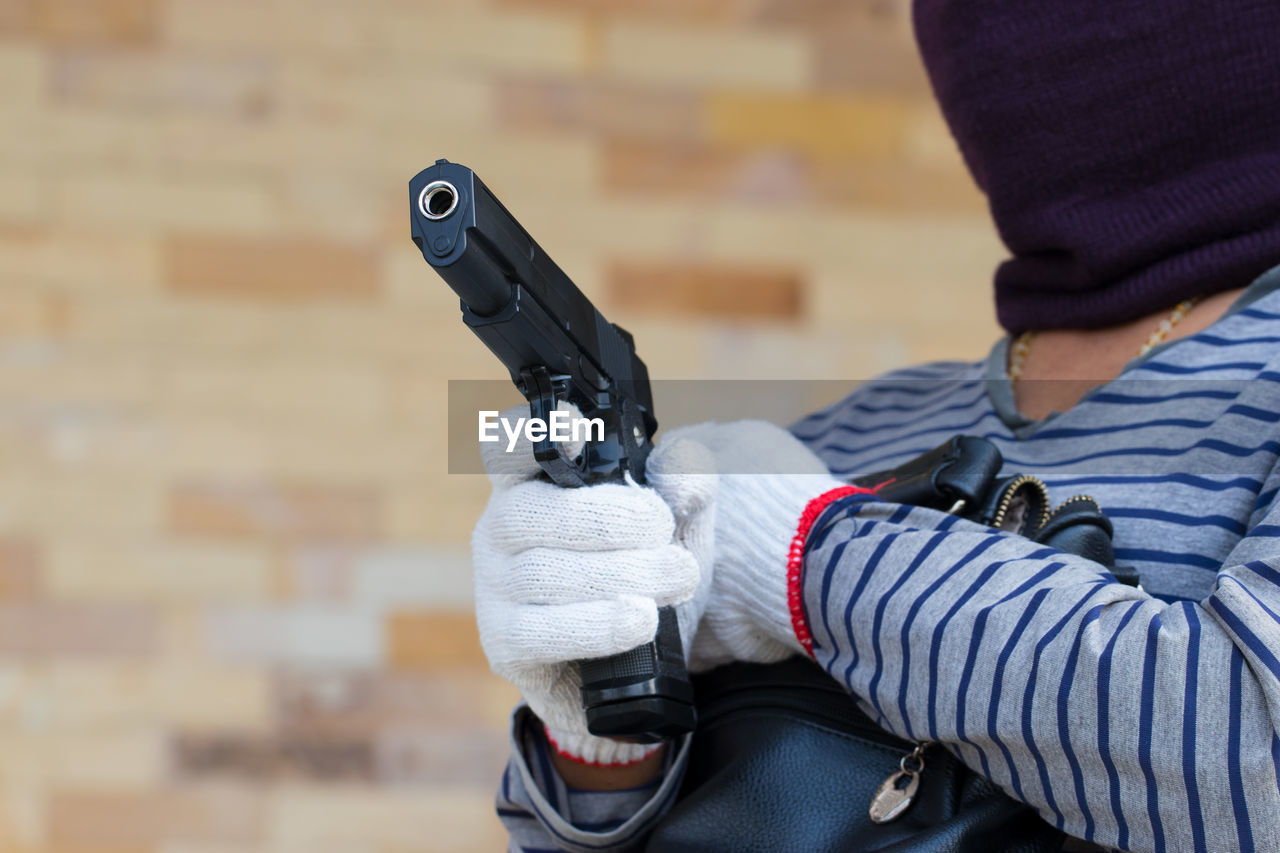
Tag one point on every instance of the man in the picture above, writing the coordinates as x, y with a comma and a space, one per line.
1130, 156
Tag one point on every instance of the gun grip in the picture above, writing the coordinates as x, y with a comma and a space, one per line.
643, 694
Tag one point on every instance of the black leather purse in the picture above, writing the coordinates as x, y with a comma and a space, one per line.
783, 759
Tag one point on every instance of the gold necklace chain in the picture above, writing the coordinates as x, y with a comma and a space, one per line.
1018, 350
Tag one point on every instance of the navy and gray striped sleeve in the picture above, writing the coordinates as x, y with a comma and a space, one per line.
1121, 718
542, 813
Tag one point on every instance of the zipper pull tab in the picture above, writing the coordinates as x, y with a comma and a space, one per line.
897, 792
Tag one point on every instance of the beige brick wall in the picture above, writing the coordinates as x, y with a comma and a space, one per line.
233, 578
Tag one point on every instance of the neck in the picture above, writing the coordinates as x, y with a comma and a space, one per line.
1062, 365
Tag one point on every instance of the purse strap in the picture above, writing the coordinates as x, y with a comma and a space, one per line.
953, 476
961, 477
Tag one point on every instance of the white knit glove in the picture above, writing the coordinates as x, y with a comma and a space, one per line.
766, 480
569, 574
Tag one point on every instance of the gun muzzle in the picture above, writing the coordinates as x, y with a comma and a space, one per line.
438, 200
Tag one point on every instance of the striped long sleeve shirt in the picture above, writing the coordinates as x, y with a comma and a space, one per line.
1142, 719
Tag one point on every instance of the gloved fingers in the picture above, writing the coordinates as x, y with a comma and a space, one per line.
606, 517
683, 471
668, 574
509, 460
517, 637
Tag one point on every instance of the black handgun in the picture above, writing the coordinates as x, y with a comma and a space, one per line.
557, 346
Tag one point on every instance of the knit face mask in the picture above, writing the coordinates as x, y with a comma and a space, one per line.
1129, 150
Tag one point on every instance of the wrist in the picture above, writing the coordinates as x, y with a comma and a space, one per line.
795, 559
609, 777
588, 750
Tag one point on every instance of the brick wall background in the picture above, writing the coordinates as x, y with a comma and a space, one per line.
233, 581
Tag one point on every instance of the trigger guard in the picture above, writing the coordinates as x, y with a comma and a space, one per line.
539, 390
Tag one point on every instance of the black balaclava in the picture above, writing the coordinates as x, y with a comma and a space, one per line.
1129, 151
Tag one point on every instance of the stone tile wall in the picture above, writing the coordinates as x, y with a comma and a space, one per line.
233, 577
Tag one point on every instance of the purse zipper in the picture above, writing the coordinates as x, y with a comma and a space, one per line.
1064, 506
1073, 499
893, 798
821, 705
1010, 492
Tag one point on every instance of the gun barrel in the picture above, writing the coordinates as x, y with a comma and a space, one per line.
483, 253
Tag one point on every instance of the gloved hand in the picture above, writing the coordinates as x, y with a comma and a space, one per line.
568, 574
771, 487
